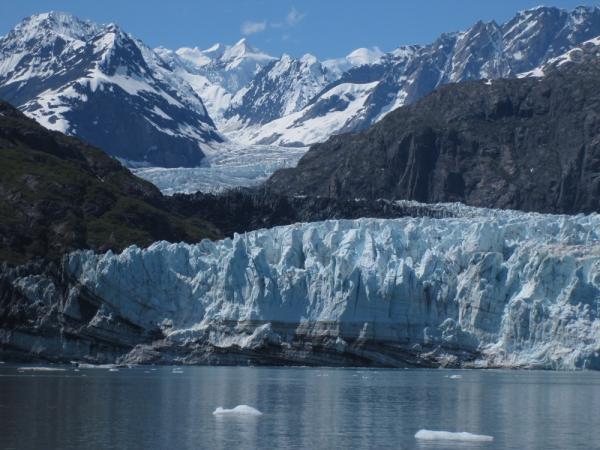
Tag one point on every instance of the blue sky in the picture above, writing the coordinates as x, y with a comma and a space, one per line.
326, 28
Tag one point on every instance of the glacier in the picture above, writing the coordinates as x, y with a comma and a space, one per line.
227, 165
478, 288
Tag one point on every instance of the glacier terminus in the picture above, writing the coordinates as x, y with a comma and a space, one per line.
476, 288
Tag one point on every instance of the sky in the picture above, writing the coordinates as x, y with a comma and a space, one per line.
325, 28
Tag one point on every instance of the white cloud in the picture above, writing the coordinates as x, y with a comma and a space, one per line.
249, 27
294, 17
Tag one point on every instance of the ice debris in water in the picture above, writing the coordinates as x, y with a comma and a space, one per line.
455, 377
429, 435
240, 410
43, 369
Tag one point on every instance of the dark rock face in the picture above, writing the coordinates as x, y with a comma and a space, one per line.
530, 144
247, 210
64, 322
58, 194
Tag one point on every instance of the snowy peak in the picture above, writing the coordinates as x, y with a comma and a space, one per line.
536, 35
224, 69
60, 24
359, 57
193, 56
280, 88
486, 50
478, 53
362, 56
101, 84
241, 49
588, 52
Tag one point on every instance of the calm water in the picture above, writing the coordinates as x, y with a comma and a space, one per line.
303, 408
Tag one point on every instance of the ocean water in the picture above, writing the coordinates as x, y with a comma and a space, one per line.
303, 408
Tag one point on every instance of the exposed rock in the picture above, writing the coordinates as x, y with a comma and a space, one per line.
58, 194
530, 144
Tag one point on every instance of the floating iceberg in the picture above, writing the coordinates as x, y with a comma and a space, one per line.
429, 435
43, 369
240, 410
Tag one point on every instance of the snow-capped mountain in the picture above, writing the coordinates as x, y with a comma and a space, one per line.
363, 95
360, 57
101, 84
281, 88
217, 73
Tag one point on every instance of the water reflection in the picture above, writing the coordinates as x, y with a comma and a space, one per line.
303, 408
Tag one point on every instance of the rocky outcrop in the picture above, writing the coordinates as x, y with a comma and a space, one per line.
59, 194
530, 144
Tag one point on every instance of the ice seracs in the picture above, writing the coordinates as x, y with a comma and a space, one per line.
485, 288
229, 165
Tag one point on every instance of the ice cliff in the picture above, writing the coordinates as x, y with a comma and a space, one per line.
485, 288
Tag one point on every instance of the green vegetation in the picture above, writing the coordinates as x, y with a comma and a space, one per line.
58, 194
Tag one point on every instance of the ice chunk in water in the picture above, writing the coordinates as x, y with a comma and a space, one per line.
455, 377
43, 369
241, 410
429, 435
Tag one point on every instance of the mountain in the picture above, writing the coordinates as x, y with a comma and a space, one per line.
58, 194
357, 58
482, 288
363, 95
530, 143
280, 88
217, 73
101, 84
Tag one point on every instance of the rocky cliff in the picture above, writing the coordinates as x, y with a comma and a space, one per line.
59, 194
530, 144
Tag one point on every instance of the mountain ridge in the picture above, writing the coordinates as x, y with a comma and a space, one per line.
101, 84
529, 143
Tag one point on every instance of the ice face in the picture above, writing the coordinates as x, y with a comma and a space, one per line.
520, 289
